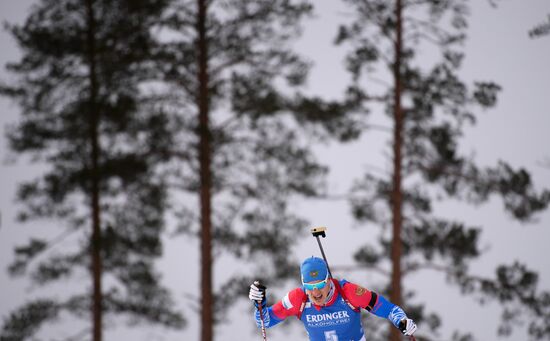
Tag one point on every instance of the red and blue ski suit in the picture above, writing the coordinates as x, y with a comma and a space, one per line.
339, 319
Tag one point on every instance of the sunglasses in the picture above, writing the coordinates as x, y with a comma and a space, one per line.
318, 285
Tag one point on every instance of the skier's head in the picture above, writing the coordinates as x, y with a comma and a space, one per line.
315, 277
313, 269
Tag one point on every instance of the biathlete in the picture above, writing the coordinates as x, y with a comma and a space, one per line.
328, 308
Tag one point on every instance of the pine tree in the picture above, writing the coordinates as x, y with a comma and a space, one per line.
429, 107
238, 121
88, 120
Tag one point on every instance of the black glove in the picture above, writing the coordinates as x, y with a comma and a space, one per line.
257, 294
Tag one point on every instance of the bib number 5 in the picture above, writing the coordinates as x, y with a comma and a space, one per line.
331, 335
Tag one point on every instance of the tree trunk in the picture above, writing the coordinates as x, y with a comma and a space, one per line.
396, 196
97, 309
205, 178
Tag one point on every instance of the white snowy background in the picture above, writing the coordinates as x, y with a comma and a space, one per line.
517, 130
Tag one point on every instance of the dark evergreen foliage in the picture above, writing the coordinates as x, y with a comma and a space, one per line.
540, 30
257, 122
437, 107
130, 79
26, 321
81, 79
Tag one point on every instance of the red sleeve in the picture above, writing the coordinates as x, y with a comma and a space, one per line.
359, 296
290, 304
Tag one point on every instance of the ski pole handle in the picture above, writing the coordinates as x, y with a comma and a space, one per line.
260, 309
316, 232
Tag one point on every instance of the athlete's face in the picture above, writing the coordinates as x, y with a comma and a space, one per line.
318, 296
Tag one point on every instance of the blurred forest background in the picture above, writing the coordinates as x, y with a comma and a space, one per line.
159, 155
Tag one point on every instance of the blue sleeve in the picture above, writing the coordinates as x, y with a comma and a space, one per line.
388, 310
270, 319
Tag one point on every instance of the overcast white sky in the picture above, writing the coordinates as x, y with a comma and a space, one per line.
517, 131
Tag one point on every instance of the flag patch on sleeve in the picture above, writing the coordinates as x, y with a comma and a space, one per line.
359, 291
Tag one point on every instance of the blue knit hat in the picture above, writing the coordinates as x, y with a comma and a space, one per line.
313, 269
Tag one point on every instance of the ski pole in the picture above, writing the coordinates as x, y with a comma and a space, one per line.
320, 231
260, 309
